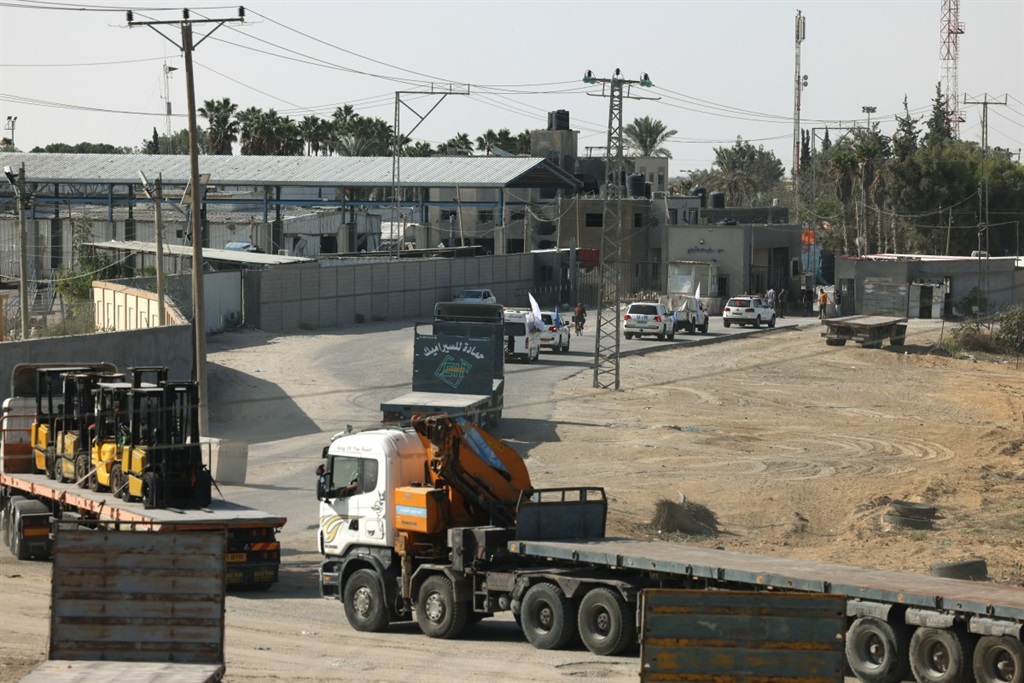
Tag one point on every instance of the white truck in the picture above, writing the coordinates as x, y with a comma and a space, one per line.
441, 523
522, 335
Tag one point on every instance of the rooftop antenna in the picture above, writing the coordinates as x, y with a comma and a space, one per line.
949, 55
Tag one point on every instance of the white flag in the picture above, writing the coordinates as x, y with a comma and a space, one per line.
537, 321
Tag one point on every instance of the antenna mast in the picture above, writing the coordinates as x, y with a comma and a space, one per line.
949, 56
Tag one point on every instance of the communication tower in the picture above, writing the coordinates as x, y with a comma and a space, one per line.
949, 55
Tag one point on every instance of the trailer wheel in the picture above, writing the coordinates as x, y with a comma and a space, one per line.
437, 612
940, 655
149, 484
82, 470
26, 506
607, 625
548, 618
6, 518
364, 602
117, 486
877, 651
999, 659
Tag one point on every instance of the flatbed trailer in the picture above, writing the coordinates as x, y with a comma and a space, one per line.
867, 330
32, 506
483, 409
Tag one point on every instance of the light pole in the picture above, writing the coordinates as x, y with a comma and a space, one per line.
869, 111
11, 120
18, 181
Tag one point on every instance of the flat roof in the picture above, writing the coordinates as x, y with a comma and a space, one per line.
208, 253
300, 171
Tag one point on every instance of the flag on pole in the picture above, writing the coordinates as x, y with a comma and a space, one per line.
538, 322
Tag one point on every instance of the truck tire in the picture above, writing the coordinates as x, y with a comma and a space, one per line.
999, 659
970, 570
117, 486
58, 470
364, 602
548, 619
907, 522
19, 548
606, 623
6, 518
877, 651
438, 613
916, 510
82, 470
940, 655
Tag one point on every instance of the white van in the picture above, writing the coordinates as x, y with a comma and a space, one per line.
522, 335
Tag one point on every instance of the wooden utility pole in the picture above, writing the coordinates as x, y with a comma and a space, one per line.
198, 307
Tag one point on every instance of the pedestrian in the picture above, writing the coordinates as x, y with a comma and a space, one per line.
836, 299
822, 303
770, 297
808, 297
579, 318
782, 302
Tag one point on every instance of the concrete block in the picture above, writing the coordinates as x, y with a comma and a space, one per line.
228, 459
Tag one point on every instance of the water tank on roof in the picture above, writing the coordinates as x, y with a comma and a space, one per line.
717, 200
699, 191
635, 185
558, 120
647, 190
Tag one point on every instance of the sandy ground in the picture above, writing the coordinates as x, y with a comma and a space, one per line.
796, 447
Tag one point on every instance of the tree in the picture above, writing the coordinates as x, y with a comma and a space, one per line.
74, 280
420, 149
223, 127
905, 139
460, 145
524, 143
311, 128
647, 135
82, 148
940, 130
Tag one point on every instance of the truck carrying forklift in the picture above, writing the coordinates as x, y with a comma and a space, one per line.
441, 523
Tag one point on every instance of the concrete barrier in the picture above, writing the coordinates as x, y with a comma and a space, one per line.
228, 460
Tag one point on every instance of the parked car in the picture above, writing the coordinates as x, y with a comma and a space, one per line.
649, 318
748, 310
556, 334
475, 296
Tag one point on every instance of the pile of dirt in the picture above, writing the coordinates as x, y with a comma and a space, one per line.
685, 517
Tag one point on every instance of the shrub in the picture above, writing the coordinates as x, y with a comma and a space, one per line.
1009, 335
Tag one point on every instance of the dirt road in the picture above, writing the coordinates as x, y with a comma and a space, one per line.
796, 447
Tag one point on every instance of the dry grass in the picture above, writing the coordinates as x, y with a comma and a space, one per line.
686, 517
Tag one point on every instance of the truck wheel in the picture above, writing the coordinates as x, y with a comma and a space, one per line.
999, 659
918, 510
82, 470
94, 481
19, 548
437, 612
149, 484
548, 620
726, 323
940, 655
607, 625
6, 517
117, 486
969, 570
364, 602
877, 650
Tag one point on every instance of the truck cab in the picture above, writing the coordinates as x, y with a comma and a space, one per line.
522, 335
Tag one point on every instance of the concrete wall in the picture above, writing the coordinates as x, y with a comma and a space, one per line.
727, 246
334, 293
170, 345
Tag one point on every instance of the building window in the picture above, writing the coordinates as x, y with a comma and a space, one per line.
673, 216
548, 192
661, 180
547, 273
485, 216
448, 214
638, 220
594, 220
519, 215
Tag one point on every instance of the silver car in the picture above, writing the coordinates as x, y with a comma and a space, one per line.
649, 318
748, 310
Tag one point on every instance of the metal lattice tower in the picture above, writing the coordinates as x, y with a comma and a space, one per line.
609, 318
949, 56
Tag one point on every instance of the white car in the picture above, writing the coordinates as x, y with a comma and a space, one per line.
649, 318
748, 310
475, 296
555, 335
522, 335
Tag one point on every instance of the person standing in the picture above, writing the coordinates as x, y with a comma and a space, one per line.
822, 303
782, 302
836, 300
770, 297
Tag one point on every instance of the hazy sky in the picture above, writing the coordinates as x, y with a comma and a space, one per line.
721, 69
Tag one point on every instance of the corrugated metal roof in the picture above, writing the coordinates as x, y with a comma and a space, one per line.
441, 171
208, 253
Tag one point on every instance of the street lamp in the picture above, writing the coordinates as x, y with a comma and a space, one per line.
11, 120
869, 111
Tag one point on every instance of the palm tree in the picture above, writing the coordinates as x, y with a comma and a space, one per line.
223, 129
524, 143
647, 135
460, 145
843, 167
420, 149
311, 127
248, 120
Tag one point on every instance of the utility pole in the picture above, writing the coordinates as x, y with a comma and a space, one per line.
799, 83
984, 102
9, 125
198, 306
396, 146
18, 181
609, 320
869, 111
157, 196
